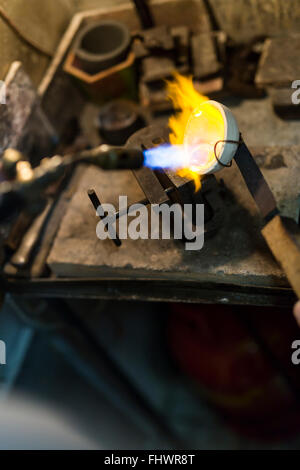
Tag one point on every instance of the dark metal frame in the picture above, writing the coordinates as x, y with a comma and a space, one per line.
155, 290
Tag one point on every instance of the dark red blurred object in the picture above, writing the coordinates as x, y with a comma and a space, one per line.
215, 347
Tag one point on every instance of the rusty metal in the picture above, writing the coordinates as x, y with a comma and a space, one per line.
30, 42
102, 45
281, 233
152, 290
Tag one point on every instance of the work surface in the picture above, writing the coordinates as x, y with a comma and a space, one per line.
236, 256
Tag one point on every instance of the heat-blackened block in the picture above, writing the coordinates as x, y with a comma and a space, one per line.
280, 62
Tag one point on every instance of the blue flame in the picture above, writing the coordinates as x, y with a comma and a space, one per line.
172, 157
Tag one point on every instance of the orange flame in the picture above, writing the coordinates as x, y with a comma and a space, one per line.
185, 100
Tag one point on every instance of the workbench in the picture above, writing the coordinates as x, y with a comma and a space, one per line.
234, 266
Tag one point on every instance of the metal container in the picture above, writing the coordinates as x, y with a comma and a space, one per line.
102, 45
103, 63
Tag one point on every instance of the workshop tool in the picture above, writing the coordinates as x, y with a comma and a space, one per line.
144, 12
176, 189
102, 45
118, 120
164, 186
21, 257
118, 81
281, 234
96, 203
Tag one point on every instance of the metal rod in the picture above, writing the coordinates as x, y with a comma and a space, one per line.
96, 203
